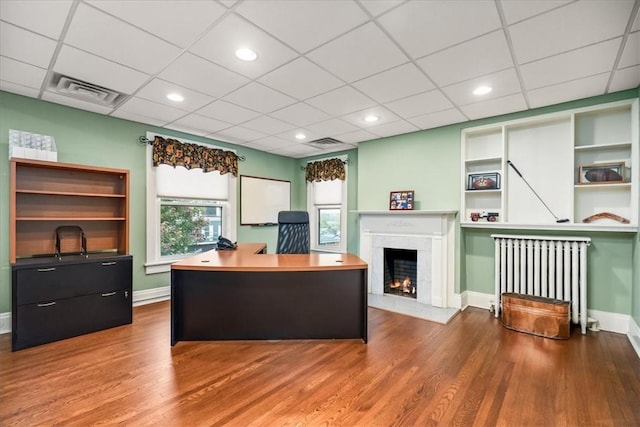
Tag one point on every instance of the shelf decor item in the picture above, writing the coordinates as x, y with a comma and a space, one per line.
401, 200
602, 173
483, 181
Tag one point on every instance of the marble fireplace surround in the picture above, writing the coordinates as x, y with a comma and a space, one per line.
431, 234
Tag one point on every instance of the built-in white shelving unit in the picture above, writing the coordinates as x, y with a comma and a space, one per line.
580, 162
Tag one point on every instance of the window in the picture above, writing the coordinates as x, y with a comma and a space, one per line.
327, 206
186, 212
188, 226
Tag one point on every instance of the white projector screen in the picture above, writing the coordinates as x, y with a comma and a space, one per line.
262, 198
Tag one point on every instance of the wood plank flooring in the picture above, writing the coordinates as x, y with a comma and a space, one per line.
471, 372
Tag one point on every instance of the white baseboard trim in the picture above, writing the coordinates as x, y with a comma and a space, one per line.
149, 296
607, 321
634, 335
5, 322
477, 299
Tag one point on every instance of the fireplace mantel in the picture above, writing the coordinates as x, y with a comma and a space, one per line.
430, 231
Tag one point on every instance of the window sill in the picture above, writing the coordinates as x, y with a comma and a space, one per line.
158, 267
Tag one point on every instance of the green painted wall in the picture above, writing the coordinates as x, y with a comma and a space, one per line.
429, 163
93, 139
636, 268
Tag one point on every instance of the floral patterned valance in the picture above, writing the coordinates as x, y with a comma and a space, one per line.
168, 151
325, 170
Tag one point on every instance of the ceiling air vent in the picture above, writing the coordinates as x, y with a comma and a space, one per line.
84, 91
325, 142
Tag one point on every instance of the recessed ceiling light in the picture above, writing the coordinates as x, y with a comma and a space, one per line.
301, 136
175, 97
482, 90
246, 54
371, 118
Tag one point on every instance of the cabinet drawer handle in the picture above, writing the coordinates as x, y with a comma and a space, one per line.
109, 263
47, 304
44, 270
109, 294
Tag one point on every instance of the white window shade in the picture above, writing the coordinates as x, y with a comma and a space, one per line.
191, 183
328, 192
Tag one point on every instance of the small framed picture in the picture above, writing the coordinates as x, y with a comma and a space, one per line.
483, 181
603, 173
401, 200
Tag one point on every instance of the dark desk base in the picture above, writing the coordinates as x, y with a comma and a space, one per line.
215, 305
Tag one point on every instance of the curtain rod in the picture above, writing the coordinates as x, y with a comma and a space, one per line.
146, 141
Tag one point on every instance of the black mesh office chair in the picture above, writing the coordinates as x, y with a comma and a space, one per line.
293, 232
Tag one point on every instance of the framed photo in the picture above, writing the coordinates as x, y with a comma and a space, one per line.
483, 181
401, 200
602, 173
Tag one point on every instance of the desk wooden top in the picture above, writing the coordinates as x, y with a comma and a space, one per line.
248, 258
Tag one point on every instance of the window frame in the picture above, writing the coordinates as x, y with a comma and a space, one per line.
314, 215
155, 263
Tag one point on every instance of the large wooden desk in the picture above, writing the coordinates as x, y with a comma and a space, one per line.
247, 294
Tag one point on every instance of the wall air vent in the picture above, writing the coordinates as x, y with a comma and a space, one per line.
85, 91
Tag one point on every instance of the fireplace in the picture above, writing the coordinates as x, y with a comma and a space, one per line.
400, 272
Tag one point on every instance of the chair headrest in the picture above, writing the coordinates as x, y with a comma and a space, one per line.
293, 217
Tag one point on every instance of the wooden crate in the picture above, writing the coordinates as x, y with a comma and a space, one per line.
535, 315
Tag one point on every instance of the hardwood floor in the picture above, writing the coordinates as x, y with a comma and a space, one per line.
471, 372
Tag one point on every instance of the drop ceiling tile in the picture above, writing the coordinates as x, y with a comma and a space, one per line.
393, 128
358, 118
627, 78
495, 106
198, 14
631, 52
378, 7
304, 24
195, 73
199, 125
157, 90
21, 74
636, 24
140, 118
572, 65
18, 89
290, 136
575, 25
227, 139
477, 57
515, 11
576, 89
420, 104
93, 69
439, 118
268, 125
145, 108
358, 54
227, 112
340, 101
75, 103
241, 134
300, 114
26, 46
298, 151
219, 46
269, 143
43, 17
394, 84
301, 79
356, 136
423, 27
96, 32
331, 128
503, 83
259, 98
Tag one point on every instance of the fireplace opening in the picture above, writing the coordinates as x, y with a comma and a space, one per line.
400, 272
